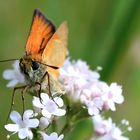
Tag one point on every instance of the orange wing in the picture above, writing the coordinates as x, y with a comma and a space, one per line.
41, 31
55, 52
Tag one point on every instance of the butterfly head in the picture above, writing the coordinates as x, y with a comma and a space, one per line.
29, 67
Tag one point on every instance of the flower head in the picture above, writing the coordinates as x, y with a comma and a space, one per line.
48, 106
91, 98
23, 125
113, 94
84, 85
107, 130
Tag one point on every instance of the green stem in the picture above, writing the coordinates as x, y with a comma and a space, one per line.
73, 119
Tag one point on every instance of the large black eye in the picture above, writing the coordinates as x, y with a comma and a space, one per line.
35, 65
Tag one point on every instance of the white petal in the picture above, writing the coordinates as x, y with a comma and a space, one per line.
120, 99
59, 101
44, 97
12, 83
8, 74
15, 116
117, 132
43, 123
51, 106
33, 123
59, 112
61, 137
12, 127
98, 102
23, 133
16, 65
93, 111
111, 105
45, 113
53, 136
36, 102
28, 114
95, 74
30, 134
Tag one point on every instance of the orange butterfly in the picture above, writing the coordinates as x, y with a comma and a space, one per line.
46, 50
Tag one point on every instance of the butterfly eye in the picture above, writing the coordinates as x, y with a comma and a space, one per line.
35, 65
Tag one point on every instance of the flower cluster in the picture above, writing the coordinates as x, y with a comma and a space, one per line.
105, 129
44, 113
82, 85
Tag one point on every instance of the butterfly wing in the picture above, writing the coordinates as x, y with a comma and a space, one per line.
41, 31
55, 51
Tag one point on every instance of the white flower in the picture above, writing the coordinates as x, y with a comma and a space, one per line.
23, 124
117, 134
48, 106
91, 97
107, 130
114, 134
95, 106
113, 94
14, 75
102, 126
52, 136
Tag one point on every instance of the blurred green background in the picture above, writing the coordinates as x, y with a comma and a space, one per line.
103, 33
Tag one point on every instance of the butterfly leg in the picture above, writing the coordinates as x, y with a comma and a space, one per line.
39, 84
39, 91
23, 101
12, 101
49, 85
23, 98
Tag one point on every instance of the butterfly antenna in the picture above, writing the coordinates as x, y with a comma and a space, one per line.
7, 60
54, 67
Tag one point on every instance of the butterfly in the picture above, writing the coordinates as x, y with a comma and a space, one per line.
45, 53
